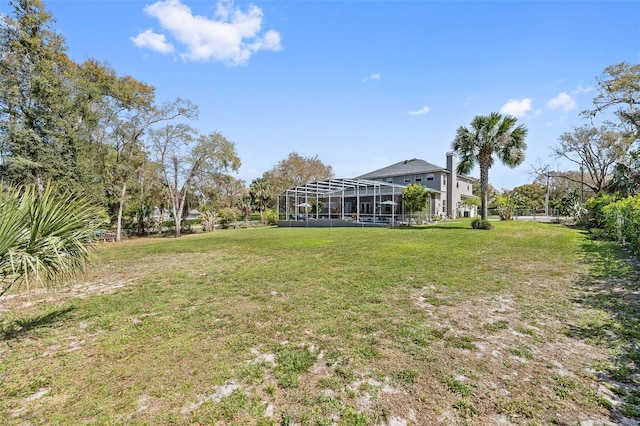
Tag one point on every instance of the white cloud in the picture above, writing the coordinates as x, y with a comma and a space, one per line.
581, 89
153, 41
231, 35
373, 77
422, 111
563, 102
470, 99
517, 108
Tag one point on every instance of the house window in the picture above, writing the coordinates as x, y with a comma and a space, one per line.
418, 178
407, 179
444, 180
429, 177
389, 180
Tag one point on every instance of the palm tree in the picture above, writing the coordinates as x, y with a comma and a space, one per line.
44, 239
261, 191
489, 136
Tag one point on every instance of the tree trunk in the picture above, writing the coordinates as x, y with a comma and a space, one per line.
161, 218
177, 221
37, 174
120, 209
484, 191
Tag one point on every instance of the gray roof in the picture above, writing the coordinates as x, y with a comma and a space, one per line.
414, 166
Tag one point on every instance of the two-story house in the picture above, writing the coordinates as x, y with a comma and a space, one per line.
376, 197
447, 188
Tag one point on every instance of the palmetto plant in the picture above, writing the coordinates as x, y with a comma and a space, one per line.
44, 239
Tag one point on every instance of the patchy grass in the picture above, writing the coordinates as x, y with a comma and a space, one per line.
349, 326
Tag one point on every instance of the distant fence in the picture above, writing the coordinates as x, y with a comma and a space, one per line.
529, 212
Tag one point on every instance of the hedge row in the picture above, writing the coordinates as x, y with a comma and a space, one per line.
622, 221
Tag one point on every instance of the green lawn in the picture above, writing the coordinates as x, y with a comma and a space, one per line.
529, 323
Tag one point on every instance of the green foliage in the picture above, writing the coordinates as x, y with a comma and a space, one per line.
506, 203
532, 195
595, 216
407, 376
415, 198
262, 192
291, 363
496, 326
571, 206
622, 221
626, 177
316, 206
44, 239
351, 417
35, 100
478, 223
472, 201
227, 216
459, 388
466, 408
271, 217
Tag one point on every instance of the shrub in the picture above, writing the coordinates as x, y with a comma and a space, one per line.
622, 220
271, 217
595, 217
506, 204
227, 216
479, 223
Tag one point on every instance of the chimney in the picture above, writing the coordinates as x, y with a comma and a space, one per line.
453, 195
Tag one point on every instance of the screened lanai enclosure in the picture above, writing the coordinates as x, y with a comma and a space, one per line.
341, 202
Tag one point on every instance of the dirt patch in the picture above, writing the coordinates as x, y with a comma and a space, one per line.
81, 290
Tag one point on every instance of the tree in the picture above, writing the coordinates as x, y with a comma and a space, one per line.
532, 195
44, 238
261, 192
244, 205
415, 198
36, 144
297, 170
626, 177
506, 203
561, 184
619, 89
596, 150
221, 190
104, 103
207, 155
128, 150
489, 136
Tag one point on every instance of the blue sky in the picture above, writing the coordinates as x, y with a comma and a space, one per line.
361, 84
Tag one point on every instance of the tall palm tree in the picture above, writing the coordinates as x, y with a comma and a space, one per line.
488, 137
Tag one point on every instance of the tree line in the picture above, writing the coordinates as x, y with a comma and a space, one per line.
105, 136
